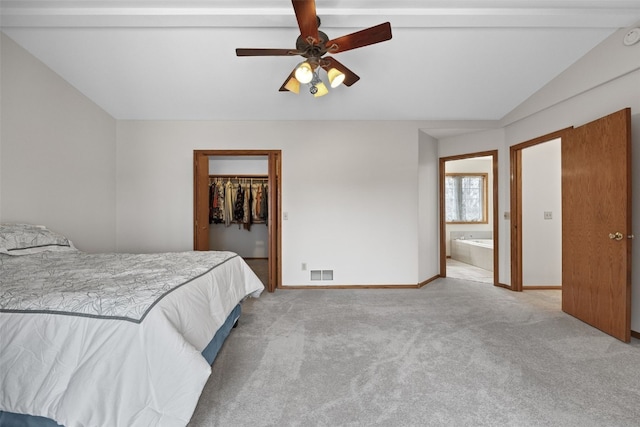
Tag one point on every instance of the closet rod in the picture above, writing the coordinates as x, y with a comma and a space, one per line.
240, 176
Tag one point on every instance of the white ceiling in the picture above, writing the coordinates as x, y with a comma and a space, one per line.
448, 60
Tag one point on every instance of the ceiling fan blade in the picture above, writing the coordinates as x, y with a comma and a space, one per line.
349, 76
307, 20
266, 52
361, 38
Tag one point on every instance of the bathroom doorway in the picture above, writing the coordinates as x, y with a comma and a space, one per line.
468, 225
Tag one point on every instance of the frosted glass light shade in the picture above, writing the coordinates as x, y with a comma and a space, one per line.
322, 90
336, 77
293, 85
304, 73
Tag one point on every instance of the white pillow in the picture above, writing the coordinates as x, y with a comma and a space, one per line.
25, 239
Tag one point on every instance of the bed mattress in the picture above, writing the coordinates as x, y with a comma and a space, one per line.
83, 354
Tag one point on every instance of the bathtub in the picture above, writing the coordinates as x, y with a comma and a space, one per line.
477, 252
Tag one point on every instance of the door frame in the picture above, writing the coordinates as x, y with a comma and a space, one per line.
515, 156
494, 190
274, 201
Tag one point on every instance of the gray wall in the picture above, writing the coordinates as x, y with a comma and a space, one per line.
541, 237
58, 154
351, 199
428, 211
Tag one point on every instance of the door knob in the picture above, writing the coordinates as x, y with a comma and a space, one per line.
616, 236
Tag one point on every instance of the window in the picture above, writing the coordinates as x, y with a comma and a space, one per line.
465, 197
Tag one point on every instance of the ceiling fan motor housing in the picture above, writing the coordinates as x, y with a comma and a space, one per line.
310, 49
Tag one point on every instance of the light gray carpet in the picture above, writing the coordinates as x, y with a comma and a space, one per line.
453, 353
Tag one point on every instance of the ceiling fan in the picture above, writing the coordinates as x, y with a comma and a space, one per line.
314, 45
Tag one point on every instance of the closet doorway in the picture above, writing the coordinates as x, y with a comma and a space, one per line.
203, 176
536, 213
468, 217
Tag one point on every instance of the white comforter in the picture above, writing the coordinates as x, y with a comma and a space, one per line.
98, 370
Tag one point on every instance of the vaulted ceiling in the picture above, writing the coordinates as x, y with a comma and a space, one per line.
473, 60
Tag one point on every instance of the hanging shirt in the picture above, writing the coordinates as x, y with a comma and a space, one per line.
212, 201
257, 192
264, 206
218, 214
228, 203
238, 206
248, 200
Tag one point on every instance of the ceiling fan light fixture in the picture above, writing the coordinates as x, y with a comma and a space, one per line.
336, 77
293, 85
313, 44
304, 73
321, 90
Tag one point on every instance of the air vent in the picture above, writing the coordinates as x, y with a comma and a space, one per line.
321, 274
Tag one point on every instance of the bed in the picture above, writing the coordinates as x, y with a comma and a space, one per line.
110, 339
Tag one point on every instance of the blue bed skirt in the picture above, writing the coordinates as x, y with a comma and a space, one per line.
211, 350
10, 419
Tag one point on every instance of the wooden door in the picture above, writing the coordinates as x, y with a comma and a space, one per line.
275, 250
596, 205
200, 202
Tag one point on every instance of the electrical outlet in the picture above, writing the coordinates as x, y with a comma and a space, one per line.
548, 215
304, 266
